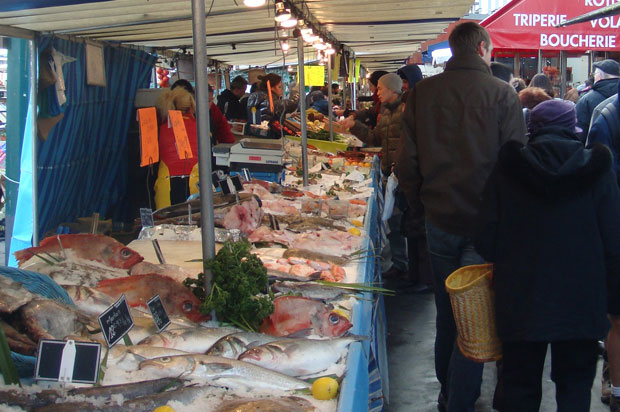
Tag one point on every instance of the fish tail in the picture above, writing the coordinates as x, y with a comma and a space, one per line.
24, 255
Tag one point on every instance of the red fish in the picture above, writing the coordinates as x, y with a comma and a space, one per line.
138, 289
293, 314
100, 248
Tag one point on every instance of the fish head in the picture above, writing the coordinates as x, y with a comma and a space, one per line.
333, 324
227, 347
121, 257
188, 304
256, 354
169, 365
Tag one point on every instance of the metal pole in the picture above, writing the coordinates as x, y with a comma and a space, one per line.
540, 62
33, 125
204, 140
302, 108
329, 98
354, 88
563, 64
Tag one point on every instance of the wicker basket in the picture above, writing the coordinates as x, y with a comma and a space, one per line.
473, 303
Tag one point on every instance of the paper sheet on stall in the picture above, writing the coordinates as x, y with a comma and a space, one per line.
176, 252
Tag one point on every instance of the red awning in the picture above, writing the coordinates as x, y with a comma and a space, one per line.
531, 25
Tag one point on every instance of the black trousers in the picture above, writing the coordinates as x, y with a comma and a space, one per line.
573, 367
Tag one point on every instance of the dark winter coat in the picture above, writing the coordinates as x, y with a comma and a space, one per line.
550, 223
260, 100
231, 106
385, 134
454, 124
586, 103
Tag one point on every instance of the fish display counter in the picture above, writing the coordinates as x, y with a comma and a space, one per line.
321, 319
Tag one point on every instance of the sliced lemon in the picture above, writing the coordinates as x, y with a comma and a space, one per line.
355, 231
164, 408
325, 388
357, 223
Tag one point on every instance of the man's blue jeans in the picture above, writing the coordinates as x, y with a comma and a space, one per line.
460, 377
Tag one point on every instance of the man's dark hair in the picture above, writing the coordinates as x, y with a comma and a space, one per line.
466, 37
501, 71
238, 82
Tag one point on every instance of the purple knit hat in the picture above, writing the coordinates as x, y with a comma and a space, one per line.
553, 112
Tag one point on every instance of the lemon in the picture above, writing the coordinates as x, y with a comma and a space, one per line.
342, 313
355, 231
357, 223
164, 408
325, 388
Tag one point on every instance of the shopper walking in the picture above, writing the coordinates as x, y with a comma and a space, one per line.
606, 75
454, 124
549, 222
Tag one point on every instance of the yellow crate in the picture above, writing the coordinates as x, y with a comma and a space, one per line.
324, 145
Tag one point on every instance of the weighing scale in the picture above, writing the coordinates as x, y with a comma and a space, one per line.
258, 155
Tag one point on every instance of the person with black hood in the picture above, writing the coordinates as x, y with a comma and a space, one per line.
549, 223
259, 105
606, 76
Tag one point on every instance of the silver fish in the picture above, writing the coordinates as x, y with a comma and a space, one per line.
13, 295
235, 344
285, 403
48, 319
298, 357
128, 358
196, 340
221, 372
310, 290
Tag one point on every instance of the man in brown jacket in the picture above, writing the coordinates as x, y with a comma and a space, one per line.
454, 124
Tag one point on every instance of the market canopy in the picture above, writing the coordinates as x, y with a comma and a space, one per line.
382, 34
531, 25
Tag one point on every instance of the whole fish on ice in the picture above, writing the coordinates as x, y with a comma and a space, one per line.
195, 340
293, 314
280, 404
233, 345
100, 248
222, 372
298, 357
138, 289
48, 319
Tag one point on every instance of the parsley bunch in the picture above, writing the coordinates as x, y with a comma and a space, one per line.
239, 279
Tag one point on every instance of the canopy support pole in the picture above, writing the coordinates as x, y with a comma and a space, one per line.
354, 85
33, 126
540, 62
563, 64
204, 140
329, 98
302, 108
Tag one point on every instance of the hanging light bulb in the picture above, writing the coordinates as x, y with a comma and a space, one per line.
282, 13
319, 45
254, 3
292, 22
285, 46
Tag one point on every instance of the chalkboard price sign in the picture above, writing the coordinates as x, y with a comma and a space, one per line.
116, 321
160, 316
83, 361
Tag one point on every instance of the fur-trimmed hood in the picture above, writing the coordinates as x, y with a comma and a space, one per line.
554, 163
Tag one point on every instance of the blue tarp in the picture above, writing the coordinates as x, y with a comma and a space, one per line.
427, 56
13, 5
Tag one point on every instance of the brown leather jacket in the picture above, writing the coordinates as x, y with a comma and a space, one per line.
453, 127
385, 134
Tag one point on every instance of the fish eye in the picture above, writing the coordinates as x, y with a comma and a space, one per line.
187, 306
165, 359
334, 319
125, 253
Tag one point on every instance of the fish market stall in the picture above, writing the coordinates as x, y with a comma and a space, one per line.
328, 239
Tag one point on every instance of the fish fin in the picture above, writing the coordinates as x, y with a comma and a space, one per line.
302, 333
218, 366
23, 255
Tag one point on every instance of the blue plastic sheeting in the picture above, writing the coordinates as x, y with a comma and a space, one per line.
13, 5
366, 381
82, 166
23, 226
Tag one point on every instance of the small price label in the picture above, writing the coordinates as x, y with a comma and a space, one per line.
149, 145
236, 180
116, 321
67, 361
146, 217
184, 150
160, 316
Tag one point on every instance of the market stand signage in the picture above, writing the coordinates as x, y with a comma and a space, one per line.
530, 25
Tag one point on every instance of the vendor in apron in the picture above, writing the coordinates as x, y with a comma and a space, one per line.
177, 178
